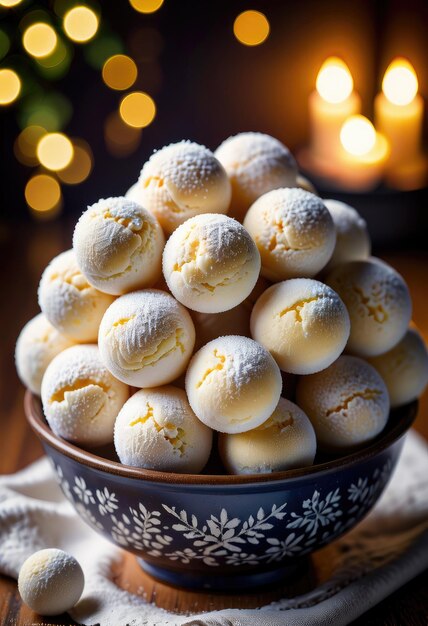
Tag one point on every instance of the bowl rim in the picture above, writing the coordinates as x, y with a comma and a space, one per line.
405, 416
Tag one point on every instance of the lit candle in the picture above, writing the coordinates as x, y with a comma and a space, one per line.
364, 154
333, 101
399, 113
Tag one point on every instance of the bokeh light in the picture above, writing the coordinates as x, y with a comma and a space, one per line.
146, 6
119, 72
4, 44
57, 64
25, 147
42, 192
98, 51
80, 23
400, 83
53, 111
39, 40
80, 166
358, 135
121, 139
251, 28
334, 81
10, 86
55, 151
9, 3
137, 109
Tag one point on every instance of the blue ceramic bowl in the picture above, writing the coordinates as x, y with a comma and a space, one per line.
220, 531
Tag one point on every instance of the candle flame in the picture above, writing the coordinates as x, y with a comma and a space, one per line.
358, 135
400, 83
334, 81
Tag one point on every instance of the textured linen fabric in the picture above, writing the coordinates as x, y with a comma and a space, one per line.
385, 551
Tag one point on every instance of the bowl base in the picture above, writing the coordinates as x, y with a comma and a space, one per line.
224, 582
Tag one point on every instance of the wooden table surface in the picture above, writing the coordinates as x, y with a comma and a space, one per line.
24, 252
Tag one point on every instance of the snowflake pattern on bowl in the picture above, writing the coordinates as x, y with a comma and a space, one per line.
265, 536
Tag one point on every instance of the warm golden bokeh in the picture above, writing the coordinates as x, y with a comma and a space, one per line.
25, 146
400, 83
358, 135
119, 72
55, 151
251, 28
334, 81
121, 139
10, 86
146, 6
40, 40
42, 192
137, 109
80, 166
9, 3
80, 24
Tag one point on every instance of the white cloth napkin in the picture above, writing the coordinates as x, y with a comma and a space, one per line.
385, 551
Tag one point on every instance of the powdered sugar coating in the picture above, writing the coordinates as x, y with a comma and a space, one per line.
146, 338
51, 581
80, 397
352, 237
284, 441
303, 323
182, 180
38, 343
255, 163
233, 384
157, 429
211, 263
347, 403
378, 302
69, 302
404, 368
293, 231
118, 246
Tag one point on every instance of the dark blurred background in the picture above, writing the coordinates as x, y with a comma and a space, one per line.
207, 86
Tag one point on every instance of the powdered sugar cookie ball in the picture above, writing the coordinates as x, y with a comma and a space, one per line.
255, 163
304, 183
38, 343
156, 429
303, 323
285, 441
180, 181
235, 321
80, 397
132, 193
69, 302
233, 384
404, 368
146, 338
210, 263
118, 246
352, 237
293, 231
378, 302
347, 403
51, 581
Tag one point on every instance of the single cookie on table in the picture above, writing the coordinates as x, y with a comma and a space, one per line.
404, 368
51, 581
80, 397
210, 263
180, 181
233, 384
156, 429
146, 338
303, 323
347, 403
118, 246
294, 233
352, 237
69, 302
38, 343
208, 326
285, 441
378, 302
255, 163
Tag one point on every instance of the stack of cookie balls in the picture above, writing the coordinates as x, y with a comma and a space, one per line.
221, 294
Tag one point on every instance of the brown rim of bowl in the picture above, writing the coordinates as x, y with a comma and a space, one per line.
35, 418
